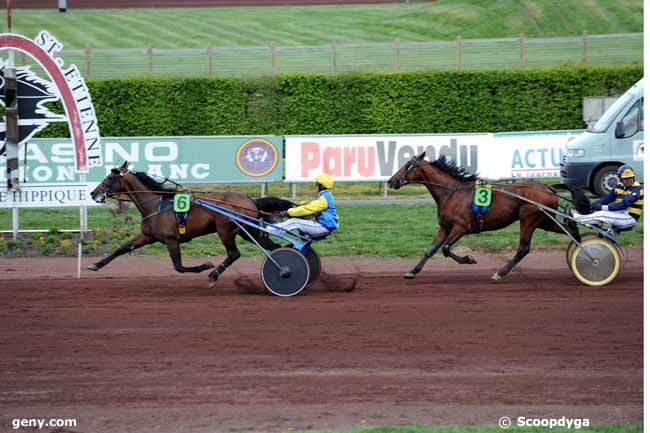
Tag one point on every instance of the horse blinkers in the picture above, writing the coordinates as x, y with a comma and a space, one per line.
410, 166
109, 186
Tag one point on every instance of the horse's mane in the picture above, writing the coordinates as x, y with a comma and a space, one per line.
154, 185
448, 166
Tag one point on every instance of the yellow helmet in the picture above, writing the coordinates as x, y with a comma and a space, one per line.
325, 180
625, 171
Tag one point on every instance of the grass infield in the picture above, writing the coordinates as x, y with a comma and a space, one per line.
315, 25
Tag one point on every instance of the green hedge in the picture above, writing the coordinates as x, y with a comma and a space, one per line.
409, 102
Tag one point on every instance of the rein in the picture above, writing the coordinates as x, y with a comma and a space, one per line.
414, 164
162, 193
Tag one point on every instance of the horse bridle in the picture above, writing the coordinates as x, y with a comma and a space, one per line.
412, 164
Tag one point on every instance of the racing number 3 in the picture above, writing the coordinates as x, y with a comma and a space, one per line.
483, 197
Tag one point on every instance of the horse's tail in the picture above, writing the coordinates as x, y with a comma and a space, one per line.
273, 204
578, 198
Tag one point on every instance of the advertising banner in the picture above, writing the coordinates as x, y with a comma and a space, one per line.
181, 159
373, 157
47, 196
377, 157
528, 154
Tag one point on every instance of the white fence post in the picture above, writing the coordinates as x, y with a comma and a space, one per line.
15, 223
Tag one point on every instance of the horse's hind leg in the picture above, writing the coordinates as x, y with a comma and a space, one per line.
135, 243
456, 233
174, 249
526, 228
437, 243
228, 239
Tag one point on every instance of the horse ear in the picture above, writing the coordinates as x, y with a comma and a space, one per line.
420, 157
124, 167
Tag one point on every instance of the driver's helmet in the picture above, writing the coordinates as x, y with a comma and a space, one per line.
325, 180
625, 172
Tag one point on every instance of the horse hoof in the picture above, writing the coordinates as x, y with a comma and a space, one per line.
409, 275
207, 265
471, 260
92, 267
496, 277
212, 279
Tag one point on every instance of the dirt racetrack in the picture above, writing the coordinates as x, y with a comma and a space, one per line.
139, 348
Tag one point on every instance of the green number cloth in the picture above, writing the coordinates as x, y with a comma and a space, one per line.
483, 196
182, 202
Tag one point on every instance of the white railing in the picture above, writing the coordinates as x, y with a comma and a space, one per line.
272, 59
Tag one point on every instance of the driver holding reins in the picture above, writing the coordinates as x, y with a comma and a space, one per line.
322, 208
622, 206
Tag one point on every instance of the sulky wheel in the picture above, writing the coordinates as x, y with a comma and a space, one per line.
287, 273
314, 266
596, 262
572, 246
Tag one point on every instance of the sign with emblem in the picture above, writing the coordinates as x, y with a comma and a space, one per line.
257, 157
185, 160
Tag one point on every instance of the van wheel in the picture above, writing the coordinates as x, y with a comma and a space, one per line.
605, 179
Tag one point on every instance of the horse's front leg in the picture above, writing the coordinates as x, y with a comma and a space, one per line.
455, 234
135, 243
435, 245
228, 239
174, 249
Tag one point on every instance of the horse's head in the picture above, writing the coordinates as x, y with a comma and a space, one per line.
112, 184
407, 173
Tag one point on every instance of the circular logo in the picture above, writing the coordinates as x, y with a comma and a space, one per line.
257, 157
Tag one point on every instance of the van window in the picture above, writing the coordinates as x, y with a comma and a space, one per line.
633, 119
606, 119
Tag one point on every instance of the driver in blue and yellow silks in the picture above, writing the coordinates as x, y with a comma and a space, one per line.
322, 208
623, 205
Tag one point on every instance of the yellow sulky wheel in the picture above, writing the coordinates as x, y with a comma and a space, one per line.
570, 249
596, 262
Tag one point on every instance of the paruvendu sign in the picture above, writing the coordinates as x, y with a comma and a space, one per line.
181, 159
377, 157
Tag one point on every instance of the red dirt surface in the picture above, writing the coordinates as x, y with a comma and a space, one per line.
139, 348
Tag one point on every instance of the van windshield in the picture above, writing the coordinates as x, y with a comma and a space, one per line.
606, 119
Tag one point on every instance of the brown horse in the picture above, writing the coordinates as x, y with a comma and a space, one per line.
452, 189
159, 223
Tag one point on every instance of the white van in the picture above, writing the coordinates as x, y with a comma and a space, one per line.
592, 158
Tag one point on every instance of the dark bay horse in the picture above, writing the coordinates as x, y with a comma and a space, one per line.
159, 223
452, 188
